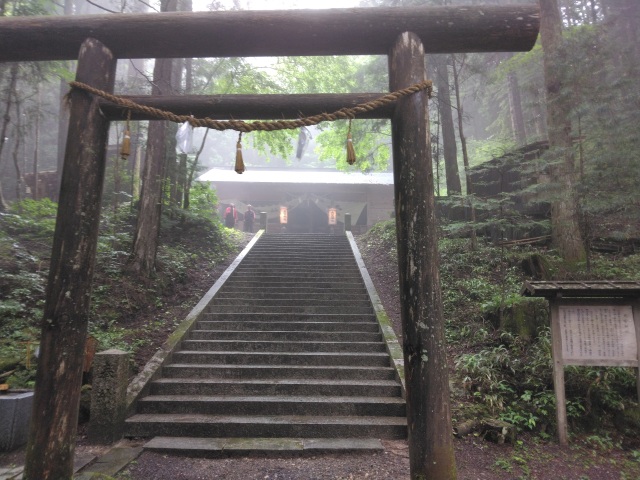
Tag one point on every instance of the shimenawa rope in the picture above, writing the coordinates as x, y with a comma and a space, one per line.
346, 113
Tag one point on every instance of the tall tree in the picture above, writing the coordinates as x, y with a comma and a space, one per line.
145, 242
449, 147
565, 227
515, 109
6, 119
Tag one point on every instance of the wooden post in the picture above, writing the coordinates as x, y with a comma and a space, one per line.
558, 372
347, 222
263, 221
431, 451
54, 420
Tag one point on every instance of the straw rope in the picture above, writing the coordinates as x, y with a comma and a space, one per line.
240, 126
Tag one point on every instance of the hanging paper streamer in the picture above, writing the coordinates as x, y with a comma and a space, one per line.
184, 138
303, 139
239, 162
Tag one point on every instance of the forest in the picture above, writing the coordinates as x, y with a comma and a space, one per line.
535, 156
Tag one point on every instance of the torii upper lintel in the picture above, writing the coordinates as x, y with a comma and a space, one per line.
354, 31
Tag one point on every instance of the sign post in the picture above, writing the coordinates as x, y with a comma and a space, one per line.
592, 324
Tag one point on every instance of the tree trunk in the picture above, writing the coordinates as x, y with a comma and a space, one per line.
515, 109
465, 155
54, 418
192, 171
6, 120
63, 113
431, 453
18, 134
565, 226
449, 147
36, 150
623, 20
145, 242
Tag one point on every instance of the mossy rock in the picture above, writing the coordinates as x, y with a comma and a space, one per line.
536, 267
523, 317
85, 404
9, 363
526, 317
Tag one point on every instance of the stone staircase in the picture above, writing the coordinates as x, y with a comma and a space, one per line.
288, 355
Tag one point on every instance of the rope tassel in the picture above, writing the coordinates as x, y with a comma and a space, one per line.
351, 153
125, 148
239, 162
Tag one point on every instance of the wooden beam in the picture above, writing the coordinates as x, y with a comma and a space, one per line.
431, 454
355, 31
52, 434
248, 107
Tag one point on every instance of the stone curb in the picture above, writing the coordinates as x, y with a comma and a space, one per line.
391, 341
140, 384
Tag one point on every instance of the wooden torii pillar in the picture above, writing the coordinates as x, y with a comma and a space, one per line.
404, 34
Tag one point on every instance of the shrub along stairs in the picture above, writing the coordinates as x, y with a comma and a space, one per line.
288, 355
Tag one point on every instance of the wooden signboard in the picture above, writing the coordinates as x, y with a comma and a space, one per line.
592, 324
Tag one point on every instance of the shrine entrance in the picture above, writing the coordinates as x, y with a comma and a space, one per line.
404, 34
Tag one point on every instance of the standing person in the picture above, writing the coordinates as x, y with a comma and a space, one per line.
249, 217
230, 216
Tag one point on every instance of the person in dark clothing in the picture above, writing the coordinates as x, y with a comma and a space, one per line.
249, 217
230, 216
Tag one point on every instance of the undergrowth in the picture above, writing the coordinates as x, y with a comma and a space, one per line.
190, 242
502, 366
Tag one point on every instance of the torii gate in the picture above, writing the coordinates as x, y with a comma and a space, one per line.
404, 34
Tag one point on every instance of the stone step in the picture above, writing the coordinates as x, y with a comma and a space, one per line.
328, 255
290, 317
294, 280
292, 326
310, 372
377, 359
281, 346
345, 275
271, 405
193, 425
358, 295
242, 446
302, 309
273, 255
268, 302
277, 387
285, 335
289, 287
274, 282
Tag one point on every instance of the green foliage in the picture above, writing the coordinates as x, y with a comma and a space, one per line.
383, 234
30, 217
190, 240
507, 375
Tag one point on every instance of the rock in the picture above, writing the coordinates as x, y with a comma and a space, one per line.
535, 266
522, 317
497, 431
627, 421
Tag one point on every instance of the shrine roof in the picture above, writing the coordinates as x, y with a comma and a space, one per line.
256, 175
567, 289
